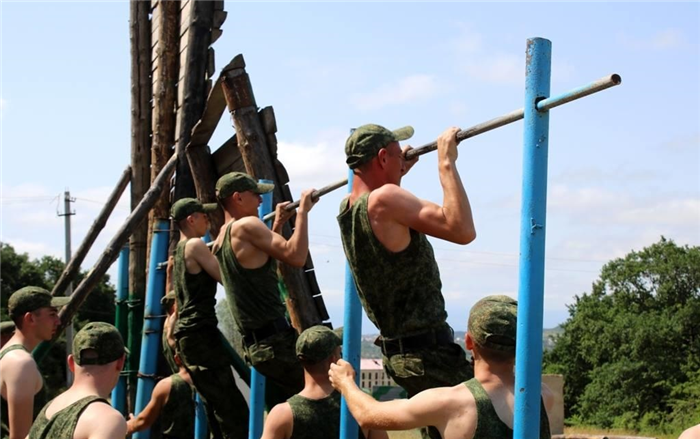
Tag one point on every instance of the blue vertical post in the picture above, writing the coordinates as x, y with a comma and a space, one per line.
201, 430
528, 364
257, 380
153, 315
352, 331
119, 392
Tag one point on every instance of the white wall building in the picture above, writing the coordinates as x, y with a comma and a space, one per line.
372, 374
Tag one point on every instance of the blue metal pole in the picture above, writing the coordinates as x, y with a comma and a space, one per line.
119, 392
257, 380
352, 332
528, 364
201, 428
153, 315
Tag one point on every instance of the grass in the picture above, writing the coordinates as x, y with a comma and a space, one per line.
620, 432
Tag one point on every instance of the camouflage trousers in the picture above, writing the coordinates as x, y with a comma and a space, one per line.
204, 356
436, 366
275, 357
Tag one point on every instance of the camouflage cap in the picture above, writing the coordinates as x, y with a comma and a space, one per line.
7, 327
168, 299
30, 299
366, 141
317, 343
493, 323
98, 343
240, 182
185, 207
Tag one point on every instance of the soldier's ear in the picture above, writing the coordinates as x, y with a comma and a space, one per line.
469, 342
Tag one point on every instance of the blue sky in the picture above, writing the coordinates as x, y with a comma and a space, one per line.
624, 165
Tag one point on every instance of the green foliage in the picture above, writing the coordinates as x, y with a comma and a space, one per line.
17, 271
630, 350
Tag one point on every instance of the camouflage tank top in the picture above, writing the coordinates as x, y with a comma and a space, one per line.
195, 294
488, 424
252, 294
39, 397
62, 423
315, 418
401, 292
177, 415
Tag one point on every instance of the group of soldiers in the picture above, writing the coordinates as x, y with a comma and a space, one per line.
384, 230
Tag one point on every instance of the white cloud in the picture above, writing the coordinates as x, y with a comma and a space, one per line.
414, 88
3, 106
468, 40
314, 164
35, 250
665, 39
498, 69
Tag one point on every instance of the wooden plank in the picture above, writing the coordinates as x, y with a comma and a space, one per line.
211, 63
259, 164
215, 34
219, 18
214, 108
227, 158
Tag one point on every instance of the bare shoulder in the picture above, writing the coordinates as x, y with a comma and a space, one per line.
247, 225
279, 422
691, 433
100, 420
19, 364
162, 389
195, 244
389, 193
281, 413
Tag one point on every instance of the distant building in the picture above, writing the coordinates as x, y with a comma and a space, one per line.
372, 374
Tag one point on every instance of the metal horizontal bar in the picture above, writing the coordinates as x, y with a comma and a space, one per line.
514, 116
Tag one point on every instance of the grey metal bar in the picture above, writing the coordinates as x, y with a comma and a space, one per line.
514, 116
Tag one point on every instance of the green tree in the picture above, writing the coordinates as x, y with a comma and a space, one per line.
630, 350
17, 271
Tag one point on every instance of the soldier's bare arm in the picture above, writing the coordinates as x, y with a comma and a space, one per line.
22, 379
293, 251
279, 423
452, 221
196, 250
149, 414
431, 407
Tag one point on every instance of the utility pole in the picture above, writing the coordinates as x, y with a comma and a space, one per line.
67, 213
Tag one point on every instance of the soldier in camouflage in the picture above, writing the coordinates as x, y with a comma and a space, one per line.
173, 400
82, 411
480, 408
199, 342
314, 413
35, 315
383, 229
247, 252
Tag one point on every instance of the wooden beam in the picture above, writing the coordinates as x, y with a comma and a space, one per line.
73, 266
111, 252
259, 163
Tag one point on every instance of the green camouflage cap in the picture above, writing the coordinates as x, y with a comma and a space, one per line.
317, 343
366, 141
103, 344
30, 299
168, 298
240, 182
493, 323
185, 207
7, 327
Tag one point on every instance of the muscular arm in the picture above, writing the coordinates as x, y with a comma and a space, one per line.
198, 251
279, 423
21, 378
430, 407
149, 415
452, 221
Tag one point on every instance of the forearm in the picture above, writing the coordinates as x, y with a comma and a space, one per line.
137, 423
361, 405
298, 243
455, 206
